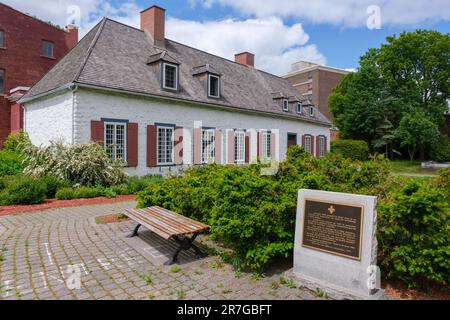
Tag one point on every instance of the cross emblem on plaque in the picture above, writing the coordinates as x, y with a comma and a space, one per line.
331, 210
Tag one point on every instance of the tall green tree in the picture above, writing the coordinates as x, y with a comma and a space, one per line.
409, 75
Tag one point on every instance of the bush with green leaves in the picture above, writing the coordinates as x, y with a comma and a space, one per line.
413, 234
352, 149
252, 213
17, 142
65, 194
440, 151
22, 190
11, 163
85, 164
87, 192
53, 184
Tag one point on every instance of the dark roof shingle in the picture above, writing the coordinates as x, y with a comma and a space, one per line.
116, 56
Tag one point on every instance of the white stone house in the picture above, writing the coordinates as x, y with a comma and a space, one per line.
159, 104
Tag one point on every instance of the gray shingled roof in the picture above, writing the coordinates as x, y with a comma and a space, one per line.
116, 56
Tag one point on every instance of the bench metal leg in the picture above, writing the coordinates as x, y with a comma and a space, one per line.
135, 232
186, 244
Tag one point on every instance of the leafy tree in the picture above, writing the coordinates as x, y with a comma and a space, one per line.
415, 132
409, 75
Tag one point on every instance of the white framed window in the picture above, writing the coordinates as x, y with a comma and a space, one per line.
311, 111
47, 49
165, 145
115, 137
308, 144
170, 76
299, 107
266, 144
285, 105
208, 145
213, 86
239, 146
322, 146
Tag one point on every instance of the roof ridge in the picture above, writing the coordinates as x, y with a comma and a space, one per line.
91, 48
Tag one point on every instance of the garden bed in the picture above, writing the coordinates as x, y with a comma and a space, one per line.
53, 203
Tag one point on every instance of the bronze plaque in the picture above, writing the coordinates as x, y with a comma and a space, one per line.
333, 228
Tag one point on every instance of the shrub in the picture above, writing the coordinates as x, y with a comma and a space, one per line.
441, 150
414, 243
65, 194
121, 189
352, 149
136, 184
86, 164
11, 163
22, 190
16, 142
86, 192
53, 184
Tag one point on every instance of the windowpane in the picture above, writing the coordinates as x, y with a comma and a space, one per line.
299, 108
165, 145
285, 104
214, 86
2, 81
322, 146
115, 141
2, 39
208, 143
170, 76
266, 145
308, 144
239, 146
47, 48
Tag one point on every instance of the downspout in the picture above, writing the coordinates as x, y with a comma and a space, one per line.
74, 89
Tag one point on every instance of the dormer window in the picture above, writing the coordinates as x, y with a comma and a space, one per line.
311, 111
285, 105
299, 107
170, 76
213, 86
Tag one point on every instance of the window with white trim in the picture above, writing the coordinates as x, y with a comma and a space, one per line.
213, 86
299, 107
47, 49
165, 145
170, 76
308, 144
115, 140
208, 145
266, 144
239, 146
285, 105
322, 146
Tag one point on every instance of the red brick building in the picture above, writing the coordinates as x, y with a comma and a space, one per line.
316, 82
29, 48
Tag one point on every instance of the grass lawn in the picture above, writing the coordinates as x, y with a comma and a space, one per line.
409, 167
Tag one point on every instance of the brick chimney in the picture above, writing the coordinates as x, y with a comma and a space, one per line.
245, 58
71, 36
153, 22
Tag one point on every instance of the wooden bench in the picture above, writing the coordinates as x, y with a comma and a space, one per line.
169, 225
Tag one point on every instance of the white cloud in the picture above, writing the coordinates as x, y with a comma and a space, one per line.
350, 13
275, 45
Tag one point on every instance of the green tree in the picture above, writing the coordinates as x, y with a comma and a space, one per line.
415, 132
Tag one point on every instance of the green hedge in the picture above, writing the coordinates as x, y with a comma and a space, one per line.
10, 163
22, 190
352, 149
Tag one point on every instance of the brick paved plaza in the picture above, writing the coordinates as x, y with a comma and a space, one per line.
40, 251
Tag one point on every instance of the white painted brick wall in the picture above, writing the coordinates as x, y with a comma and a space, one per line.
89, 105
50, 119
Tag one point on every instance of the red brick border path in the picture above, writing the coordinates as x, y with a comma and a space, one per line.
53, 203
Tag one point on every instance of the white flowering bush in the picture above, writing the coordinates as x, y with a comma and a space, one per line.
85, 164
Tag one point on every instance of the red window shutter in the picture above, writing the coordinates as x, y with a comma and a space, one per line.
318, 146
218, 146
326, 145
312, 145
178, 145
152, 144
197, 146
247, 147
97, 132
303, 141
132, 144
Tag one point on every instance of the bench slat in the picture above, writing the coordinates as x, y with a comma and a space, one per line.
165, 223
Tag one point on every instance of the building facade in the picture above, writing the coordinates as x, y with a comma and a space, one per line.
29, 48
160, 105
316, 82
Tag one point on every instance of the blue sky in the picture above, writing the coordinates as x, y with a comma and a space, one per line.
279, 32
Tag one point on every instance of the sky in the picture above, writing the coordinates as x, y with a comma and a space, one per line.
279, 32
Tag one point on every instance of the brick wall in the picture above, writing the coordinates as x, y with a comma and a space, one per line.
21, 58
